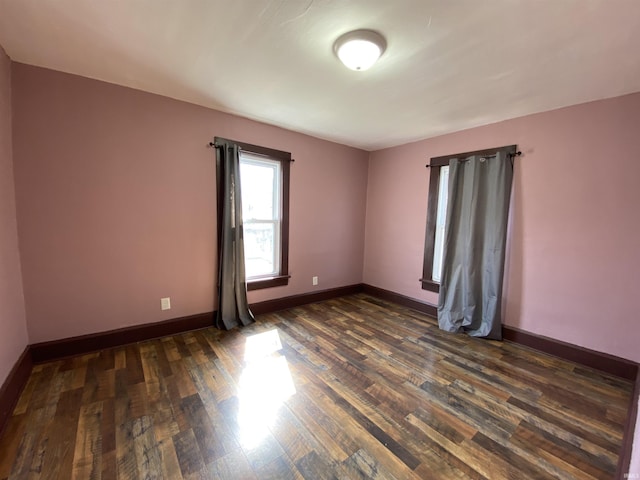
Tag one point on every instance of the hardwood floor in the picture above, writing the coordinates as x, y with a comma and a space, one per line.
353, 387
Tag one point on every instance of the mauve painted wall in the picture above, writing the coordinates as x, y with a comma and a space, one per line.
574, 263
116, 204
13, 327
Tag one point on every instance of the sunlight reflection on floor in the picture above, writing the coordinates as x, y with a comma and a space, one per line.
264, 385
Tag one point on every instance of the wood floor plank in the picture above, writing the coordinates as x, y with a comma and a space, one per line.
210, 445
361, 465
10, 442
169, 460
25, 398
147, 452
290, 438
357, 388
311, 466
456, 455
60, 436
232, 465
30, 449
594, 465
120, 358
516, 465
87, 458
134, 365
182, 379
360, 434
163, 365
517, 415
126, 462
278, 469
461, 406
108, 438
152, 375
589, 434
188, 453
263, 452
324, 429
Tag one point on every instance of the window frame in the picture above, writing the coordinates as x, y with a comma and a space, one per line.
284, 158
247, 158
432, 212
435, 164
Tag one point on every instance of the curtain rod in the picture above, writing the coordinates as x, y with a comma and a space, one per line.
510, 155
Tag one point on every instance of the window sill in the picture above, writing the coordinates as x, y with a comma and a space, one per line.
430, 285
261, 283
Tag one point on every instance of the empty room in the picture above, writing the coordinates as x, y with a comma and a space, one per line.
319, 239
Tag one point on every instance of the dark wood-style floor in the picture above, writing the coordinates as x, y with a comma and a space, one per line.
348, 388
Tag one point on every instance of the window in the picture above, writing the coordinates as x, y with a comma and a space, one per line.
264, 185
437, 213
260, 186
443, 197
436, 219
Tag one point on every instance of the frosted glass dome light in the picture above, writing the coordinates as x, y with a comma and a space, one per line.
360, 49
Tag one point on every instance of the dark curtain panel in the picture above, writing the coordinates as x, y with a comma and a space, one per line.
474, 245
233, 308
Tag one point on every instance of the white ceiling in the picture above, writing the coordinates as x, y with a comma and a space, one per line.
449, 64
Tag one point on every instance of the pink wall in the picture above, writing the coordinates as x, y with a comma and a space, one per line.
13, 329
116, 200
574, 265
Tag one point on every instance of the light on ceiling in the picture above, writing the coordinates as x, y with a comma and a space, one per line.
360, 49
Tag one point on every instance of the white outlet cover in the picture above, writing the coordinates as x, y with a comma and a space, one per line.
165, 303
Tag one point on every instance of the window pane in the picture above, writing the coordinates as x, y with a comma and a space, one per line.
259, 252
260, 188
443, 197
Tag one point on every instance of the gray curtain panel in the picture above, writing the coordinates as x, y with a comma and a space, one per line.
233, 308
474, 245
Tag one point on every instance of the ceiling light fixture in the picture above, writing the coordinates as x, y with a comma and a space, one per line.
360, 49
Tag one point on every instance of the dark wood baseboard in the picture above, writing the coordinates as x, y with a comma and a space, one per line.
590, 358
600, 361
41, 352
422, 307
270, 306
13, 386
624, 462
67, 347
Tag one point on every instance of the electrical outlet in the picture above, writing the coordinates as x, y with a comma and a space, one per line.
165, 303
314, 280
